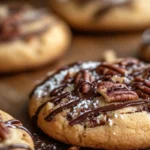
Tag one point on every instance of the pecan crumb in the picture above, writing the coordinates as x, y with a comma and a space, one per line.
109, 56
116, 92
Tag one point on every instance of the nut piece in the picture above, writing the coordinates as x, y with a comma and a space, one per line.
67, 77
129, 61
84, 78
109, 69
116, 92
4, 131
146, 73
109, 56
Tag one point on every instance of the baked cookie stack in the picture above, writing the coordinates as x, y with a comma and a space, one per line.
96, 104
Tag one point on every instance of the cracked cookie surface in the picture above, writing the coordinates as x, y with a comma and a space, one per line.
13, 136
30, 37
96, 104
104, 15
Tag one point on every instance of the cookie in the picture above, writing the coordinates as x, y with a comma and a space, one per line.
96, 104
144, 50
13, 135
104, 15
30, 37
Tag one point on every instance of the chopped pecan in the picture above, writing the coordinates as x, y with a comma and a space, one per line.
86, 77
141, 94
68, 76
116, 92
109, 56
109, 69
128, 61
4, 131
146, 73
78, 78
142, 87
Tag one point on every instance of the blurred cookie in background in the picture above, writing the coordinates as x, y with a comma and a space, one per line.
144, 50
30, 37
104, 15
100, 103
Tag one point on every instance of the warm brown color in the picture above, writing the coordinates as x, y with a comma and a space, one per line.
14, 89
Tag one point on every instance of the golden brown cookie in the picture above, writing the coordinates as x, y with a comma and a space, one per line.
30, 37
13, 136
96, 104
104, 15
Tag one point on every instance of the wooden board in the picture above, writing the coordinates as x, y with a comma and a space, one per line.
15, 88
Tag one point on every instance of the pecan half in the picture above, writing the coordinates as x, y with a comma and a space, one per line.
86, 78
128, 61
142, 87
146, 73
116, 92
109, 69
4, 131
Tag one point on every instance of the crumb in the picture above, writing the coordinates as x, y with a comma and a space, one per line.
109, 56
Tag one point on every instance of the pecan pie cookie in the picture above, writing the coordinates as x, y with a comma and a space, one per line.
96, 104
105, 15
13, 136
30, 37
144, 51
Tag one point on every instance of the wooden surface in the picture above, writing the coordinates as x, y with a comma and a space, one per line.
14, 89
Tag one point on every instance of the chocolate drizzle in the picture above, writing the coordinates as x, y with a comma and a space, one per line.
104, 5
16, 124
81, 87
17, 18
12, 124
107, 108
56, 111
